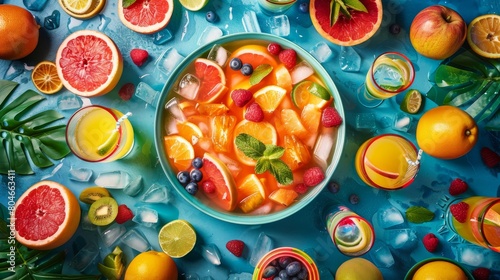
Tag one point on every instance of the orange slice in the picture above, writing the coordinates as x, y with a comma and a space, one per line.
283, 77
189, 131
211, 109
291, 120
251, 202
250, 184
311, 118
179, 150
283, 196
45, 77
263, 131
269, 97
483, 35
255, 55
296, 152
222, 127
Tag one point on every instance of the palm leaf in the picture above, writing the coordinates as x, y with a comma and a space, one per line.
28, 137
470, 82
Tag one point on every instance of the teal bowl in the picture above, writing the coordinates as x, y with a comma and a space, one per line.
414, 269
238, 217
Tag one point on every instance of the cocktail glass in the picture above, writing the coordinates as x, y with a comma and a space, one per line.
482, 225
276, 6
352, 234
387, 161
99, 134
390, 73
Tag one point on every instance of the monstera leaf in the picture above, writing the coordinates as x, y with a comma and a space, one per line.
472, 83
31, 136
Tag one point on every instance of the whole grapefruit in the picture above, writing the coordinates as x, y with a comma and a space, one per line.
446, 132
19, 32
151, 265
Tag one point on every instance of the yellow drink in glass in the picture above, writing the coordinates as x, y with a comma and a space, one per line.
387, 161
99, 134
482, 226
276, 6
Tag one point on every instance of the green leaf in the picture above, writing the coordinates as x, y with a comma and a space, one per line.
262, 165
355, 5
334, 12
418, 214
250, 146
31, 138
273, 152
343, 8
281, 171
127, 3
259, 73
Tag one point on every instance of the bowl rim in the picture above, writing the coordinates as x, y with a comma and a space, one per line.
409, 275
227, 216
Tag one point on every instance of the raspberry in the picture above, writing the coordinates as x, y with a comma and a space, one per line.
126, 91
458, 186
431, 242
208, 186
481, 273
235, 247
124, 214
301, 188
241, 97
330, 117
459, 211
489, 157
288, 57
254, 113
313, 176
139, 56
274, 48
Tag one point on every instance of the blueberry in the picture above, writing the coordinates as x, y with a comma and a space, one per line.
270, 271
303, 274
304, 7
333, 187
183, 177
235, 64
283, 275
394, 28
191, 188
246, 69
284, 261
196, 175
197, 162
293, 268
354, 199
211, 17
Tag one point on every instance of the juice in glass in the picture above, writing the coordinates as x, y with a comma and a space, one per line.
482, 225
276, 6
387, 161
99, 134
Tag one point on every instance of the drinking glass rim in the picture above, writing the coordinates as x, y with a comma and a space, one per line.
372, 240
364, 155
412, 72
119, 131
494, 202
280, 2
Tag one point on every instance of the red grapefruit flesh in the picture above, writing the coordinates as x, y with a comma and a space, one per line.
346, 32
46, 216
225, 187
89, 63
212, 80
146, 16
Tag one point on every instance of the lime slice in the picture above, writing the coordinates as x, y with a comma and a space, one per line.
193, 5
319, 91
412, 102
309, 92
177, 238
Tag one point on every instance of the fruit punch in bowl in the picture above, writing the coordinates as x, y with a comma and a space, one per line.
477, 220
99, 134
391, 73
258, 122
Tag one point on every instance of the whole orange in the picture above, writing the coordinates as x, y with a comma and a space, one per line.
152, 265
19, 32
446, 132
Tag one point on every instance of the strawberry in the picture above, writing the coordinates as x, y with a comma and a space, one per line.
431, 242
490, 158
124, 214
241, 97
313, 176
139, 56
126, 91
481, 273
288, 57
235, 247
330, 117
254, 113
459, 211
301, 188
458, 186
274, 48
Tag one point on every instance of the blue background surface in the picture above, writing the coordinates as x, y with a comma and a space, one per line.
304, 229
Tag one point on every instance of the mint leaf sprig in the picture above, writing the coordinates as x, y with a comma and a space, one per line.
419, 214
127, 3
267, 157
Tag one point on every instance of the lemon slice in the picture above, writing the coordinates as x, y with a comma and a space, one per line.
193, 5
177, 238
78, 6
82, 9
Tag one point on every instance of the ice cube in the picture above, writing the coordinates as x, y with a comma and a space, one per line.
188, 86
147, 93
209, 34
322, 52
110, 234
323, 148
85, 222
365, 122
35, 5
262, 246
218, 54
349, 59
211, 253
280, 25
135, 240
85, 257
477, 256
301, 71
174, 110
168, 61
113, 180
68, 101
135, 187
403, 239
15, 69
76, 24
146, 216
52, 22
389, 216
162, 36
381, 255
156, 193
80, 174
402, 122
250, 21
233, 165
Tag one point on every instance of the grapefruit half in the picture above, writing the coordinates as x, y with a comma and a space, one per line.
146, 16
212, 80
346, 31
225, 188
89, 63
46, 216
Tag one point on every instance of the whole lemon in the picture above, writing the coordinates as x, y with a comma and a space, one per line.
441, 270
152, 265
446, 132
19, 32
358, 269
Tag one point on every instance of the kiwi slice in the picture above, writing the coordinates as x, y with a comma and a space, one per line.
92, 194
103, 211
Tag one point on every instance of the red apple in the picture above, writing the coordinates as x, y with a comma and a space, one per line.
437, 32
